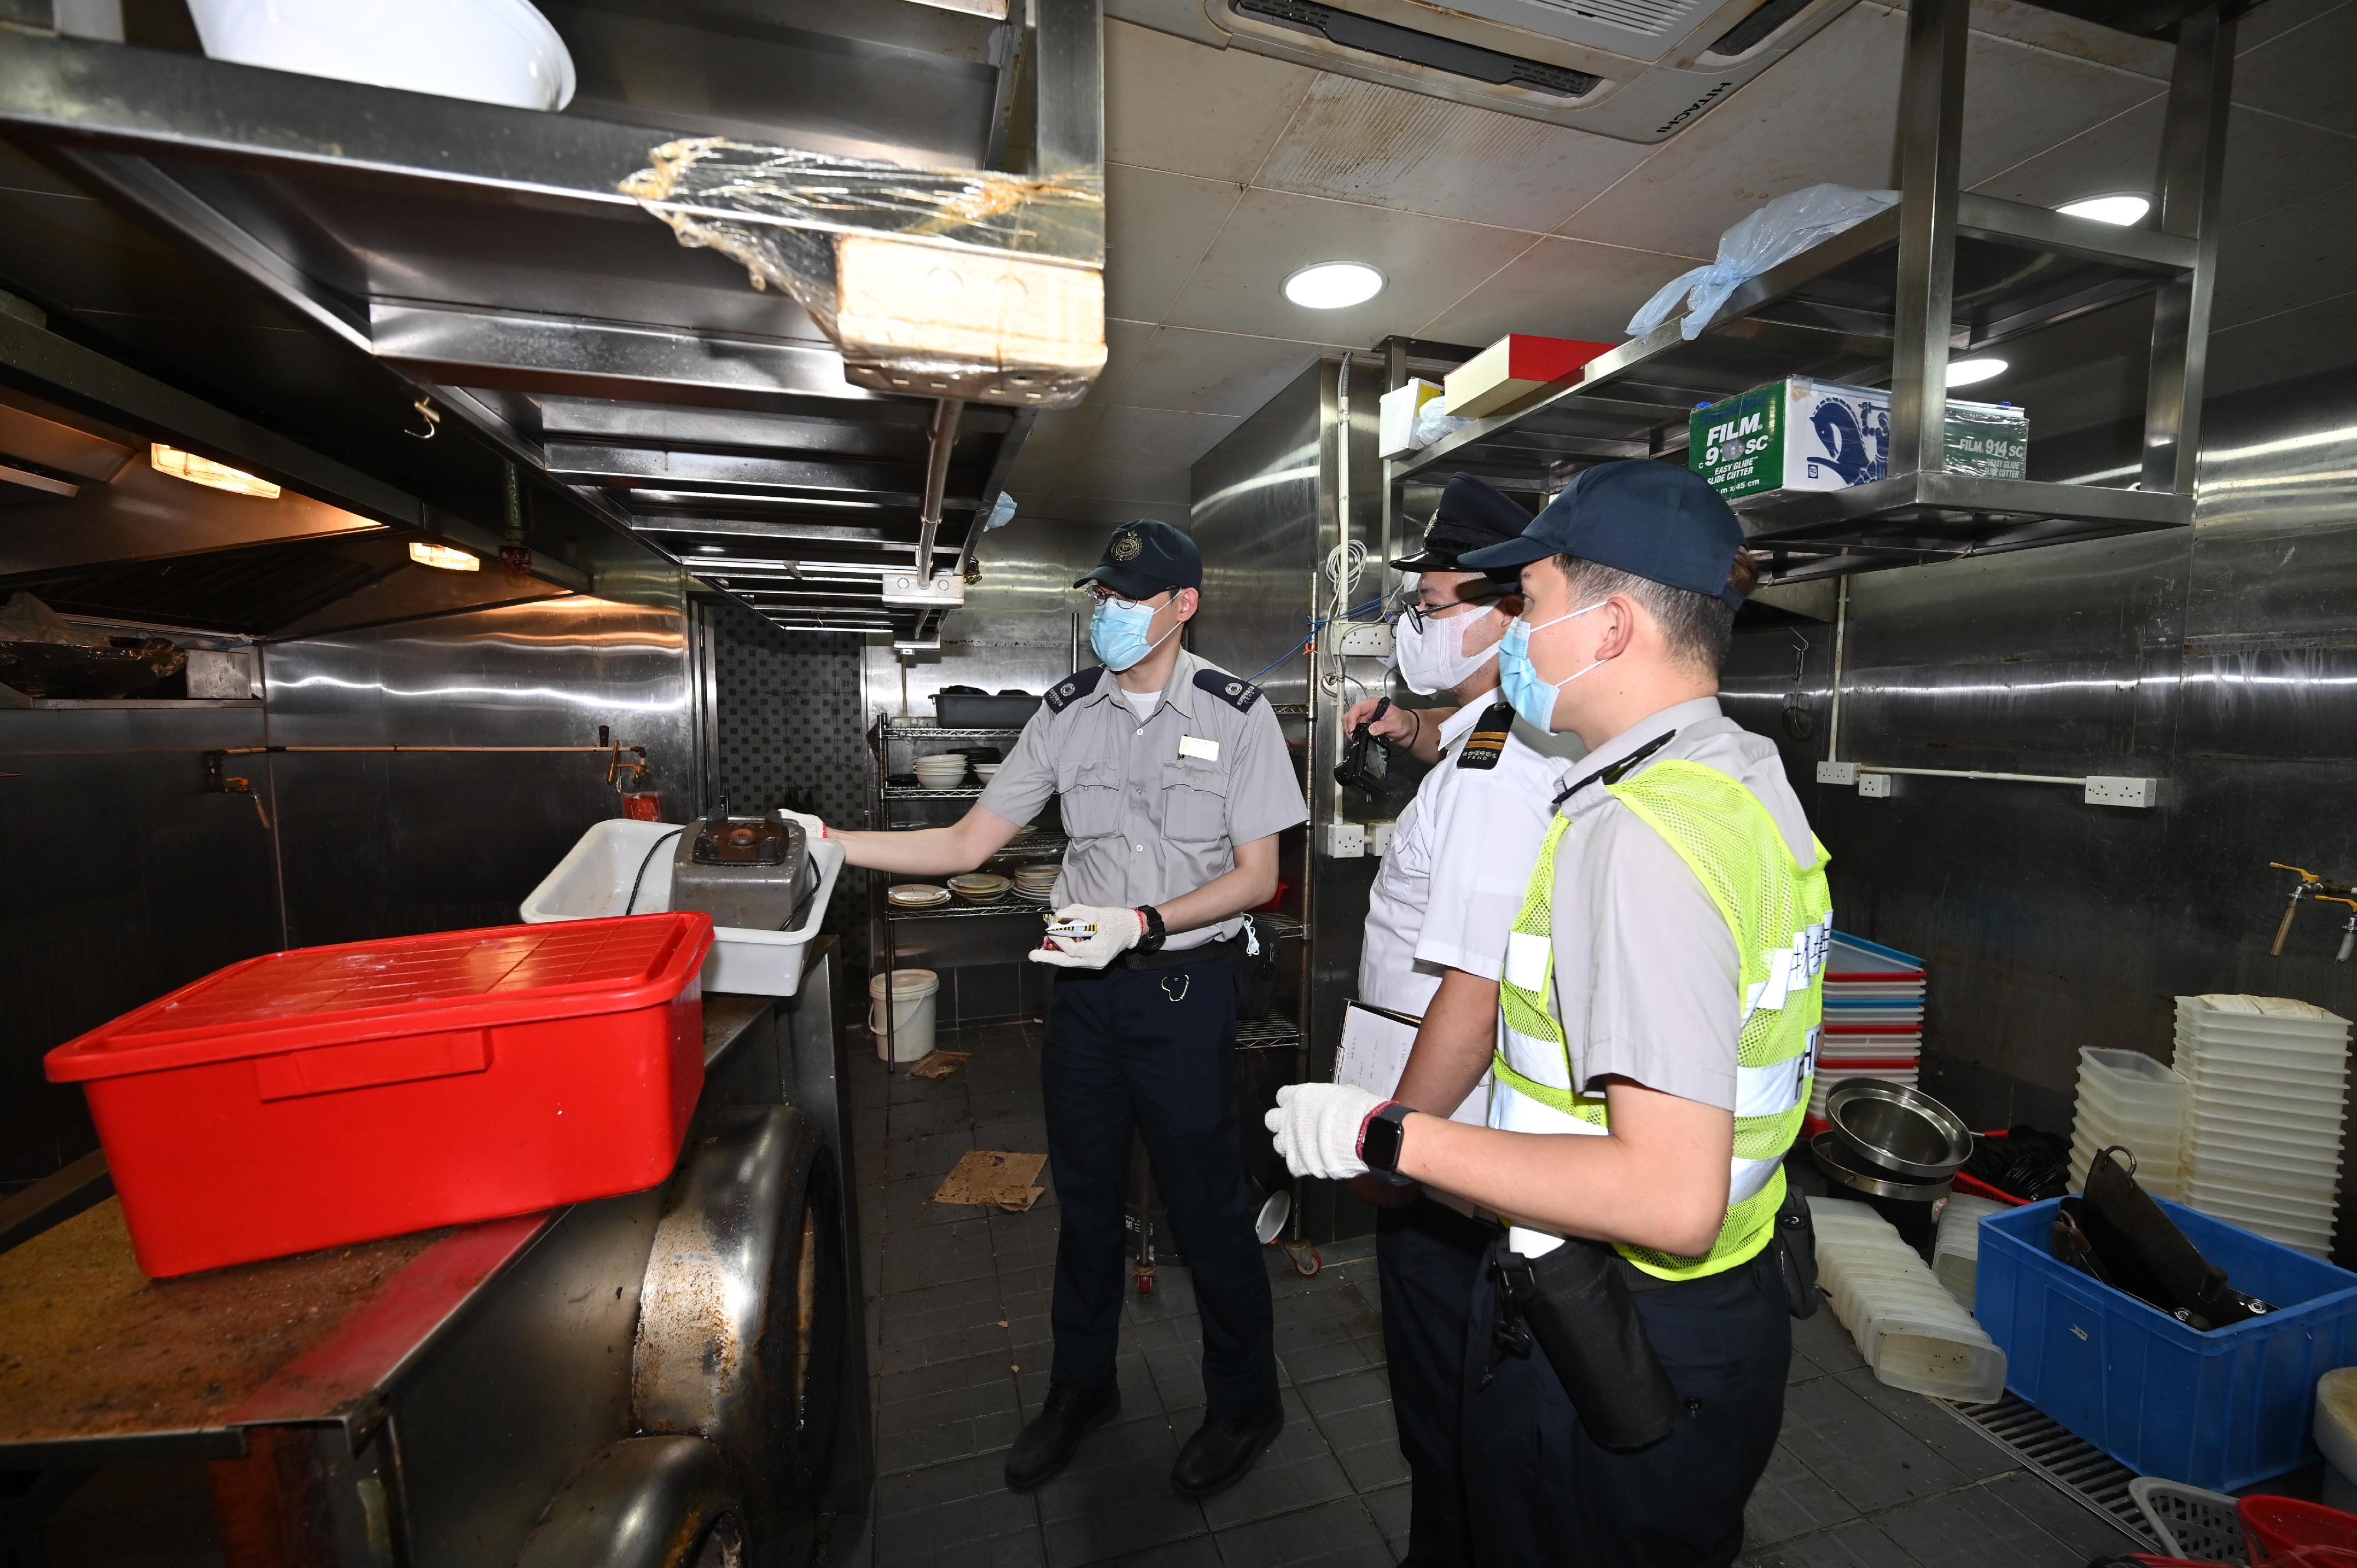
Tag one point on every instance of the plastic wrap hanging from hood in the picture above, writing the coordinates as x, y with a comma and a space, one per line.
943, 283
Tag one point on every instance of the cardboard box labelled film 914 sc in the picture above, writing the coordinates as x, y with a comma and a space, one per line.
1804, 434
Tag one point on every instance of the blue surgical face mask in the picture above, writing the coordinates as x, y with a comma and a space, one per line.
1117, 631
1532, 698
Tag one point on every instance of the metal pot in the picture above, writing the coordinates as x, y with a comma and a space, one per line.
1899, 1131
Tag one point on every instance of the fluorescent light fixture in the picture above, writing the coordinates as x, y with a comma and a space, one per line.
205, 471
711, 550
445, 557
2123, 209
1972, 372
1333, 285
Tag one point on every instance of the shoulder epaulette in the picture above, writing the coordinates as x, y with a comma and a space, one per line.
1238, 695
1073, 687
1487, 742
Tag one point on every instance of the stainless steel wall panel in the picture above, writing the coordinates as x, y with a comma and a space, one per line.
378, 844
1258, 517
2222, 662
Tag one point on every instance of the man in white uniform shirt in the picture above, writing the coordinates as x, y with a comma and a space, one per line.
1436, 924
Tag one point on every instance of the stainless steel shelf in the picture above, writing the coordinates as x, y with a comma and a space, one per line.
956, 911
929, 731
1276, 1032
1283, 927
902, 792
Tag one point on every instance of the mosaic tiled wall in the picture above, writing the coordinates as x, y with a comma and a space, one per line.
786, 719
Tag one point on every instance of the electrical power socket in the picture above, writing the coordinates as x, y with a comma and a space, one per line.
1365, 640
1345, 841
2139, 793
1874, 786
1379, 838
1837, 773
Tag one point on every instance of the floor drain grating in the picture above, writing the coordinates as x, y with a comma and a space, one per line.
2070, 1462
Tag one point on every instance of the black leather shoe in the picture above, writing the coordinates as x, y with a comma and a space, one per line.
1222, 1452
1054, 1435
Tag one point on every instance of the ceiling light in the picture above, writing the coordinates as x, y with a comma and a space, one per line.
205, 471
2124, 208
447, 557
1332, 285
712, 550
1972, 372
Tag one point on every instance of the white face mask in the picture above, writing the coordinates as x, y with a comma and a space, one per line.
1432, 657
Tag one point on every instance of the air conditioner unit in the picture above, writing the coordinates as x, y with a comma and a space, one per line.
1637, 70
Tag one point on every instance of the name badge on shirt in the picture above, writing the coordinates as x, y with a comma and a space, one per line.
1196, 745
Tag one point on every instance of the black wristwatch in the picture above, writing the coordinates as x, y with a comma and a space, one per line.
1152, 939
1381, 1137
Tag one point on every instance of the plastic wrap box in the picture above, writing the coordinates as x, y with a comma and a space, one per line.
326, 1096
1804, 434
2219, 1409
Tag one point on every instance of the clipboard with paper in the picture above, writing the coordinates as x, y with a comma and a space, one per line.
1373, 1053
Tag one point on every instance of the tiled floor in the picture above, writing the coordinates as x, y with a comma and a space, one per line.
958, 1337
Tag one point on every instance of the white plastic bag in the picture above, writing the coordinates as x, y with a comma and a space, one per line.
1433, 421
1766, 239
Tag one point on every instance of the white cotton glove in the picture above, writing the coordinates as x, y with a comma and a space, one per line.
1318, 1125
1117, 931
810, 825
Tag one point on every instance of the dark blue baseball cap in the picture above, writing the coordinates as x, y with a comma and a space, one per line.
1657, 520
1143, 558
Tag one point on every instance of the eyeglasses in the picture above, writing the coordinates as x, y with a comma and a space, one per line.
1098, 594
1408, 604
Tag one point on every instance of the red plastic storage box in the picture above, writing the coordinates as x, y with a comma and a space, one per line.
331, 1095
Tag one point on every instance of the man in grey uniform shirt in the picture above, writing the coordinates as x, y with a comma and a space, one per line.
1174, 780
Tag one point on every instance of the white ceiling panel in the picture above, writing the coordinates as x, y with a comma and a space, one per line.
1560, 289
2304, 73
2317, 337
1361, 141
1829, 112
1157, 226
1212, 372
2270, 162
1174, 105
1063, 434
2031, 23
1162, 435
1098, 479
1125, 340
2286, 259
1429, 263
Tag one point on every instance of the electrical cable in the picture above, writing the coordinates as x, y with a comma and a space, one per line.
649, 859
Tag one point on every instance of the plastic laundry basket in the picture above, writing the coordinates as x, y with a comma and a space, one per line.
2191, 1522
914, 995
331, 1095
2287, 1529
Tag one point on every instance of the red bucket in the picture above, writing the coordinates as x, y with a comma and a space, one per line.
2284, 1530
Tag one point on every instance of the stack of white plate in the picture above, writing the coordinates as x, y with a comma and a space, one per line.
1036, 883
2127, 1099
2267, 1079
1910, 1329
1874, 1017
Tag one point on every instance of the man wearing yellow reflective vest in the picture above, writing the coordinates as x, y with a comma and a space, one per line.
1657, 1033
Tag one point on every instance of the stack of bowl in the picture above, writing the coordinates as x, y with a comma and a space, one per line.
943, 772
1890, 1141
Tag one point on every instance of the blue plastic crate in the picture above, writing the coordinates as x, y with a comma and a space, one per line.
2221, 1409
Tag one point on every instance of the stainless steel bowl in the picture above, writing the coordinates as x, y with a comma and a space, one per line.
1901, 1131
1844, 1167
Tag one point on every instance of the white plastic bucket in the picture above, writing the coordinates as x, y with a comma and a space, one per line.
910, 1037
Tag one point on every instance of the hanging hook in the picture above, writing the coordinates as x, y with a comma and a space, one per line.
428, 416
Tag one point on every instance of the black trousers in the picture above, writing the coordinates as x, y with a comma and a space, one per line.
1541, 1493
1154, 1049
1428, 1256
